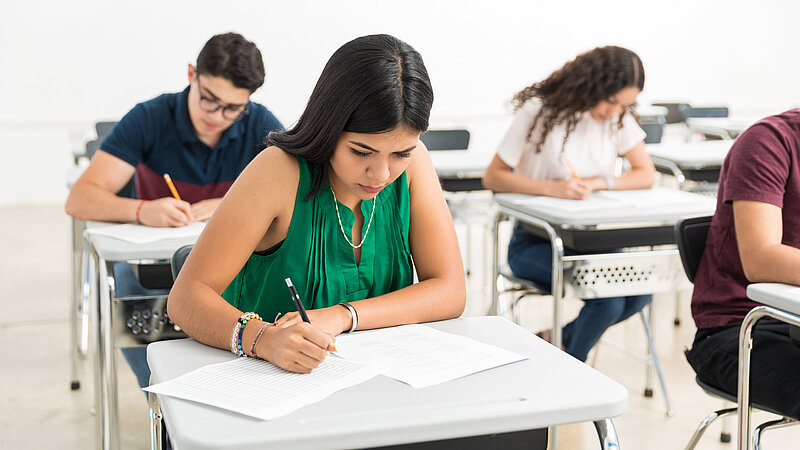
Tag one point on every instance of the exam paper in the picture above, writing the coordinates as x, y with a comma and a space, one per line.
141, 234
421, 356
257, 388
599, 200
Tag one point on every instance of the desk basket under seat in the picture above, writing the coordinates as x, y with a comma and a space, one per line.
621, 274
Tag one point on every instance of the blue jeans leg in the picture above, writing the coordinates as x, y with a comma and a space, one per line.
128, 286
531, 257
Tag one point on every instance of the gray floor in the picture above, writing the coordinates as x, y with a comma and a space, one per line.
41, 412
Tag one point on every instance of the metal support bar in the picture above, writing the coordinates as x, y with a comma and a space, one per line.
745, 347
607, 434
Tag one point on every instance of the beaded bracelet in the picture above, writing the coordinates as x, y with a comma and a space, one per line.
238, 329
258, 335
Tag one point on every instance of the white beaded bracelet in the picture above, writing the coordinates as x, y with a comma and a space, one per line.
353, 314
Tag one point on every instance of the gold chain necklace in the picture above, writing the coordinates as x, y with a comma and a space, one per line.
341, 227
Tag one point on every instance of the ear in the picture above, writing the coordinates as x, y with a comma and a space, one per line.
192, 72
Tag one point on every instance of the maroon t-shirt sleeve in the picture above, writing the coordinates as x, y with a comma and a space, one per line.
758, 167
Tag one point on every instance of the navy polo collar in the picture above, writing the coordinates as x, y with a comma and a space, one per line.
184, 124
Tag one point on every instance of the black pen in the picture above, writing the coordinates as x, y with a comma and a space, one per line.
299, 304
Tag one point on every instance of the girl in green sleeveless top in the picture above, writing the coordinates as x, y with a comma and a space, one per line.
346, 204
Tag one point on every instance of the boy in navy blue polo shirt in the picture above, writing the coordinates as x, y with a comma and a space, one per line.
202, 137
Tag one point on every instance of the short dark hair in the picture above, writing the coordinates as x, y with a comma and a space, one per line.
372, 84
234, 58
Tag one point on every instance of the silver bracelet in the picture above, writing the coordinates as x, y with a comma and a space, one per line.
609, 183
353, 314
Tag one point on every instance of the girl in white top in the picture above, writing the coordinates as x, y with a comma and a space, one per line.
564, 142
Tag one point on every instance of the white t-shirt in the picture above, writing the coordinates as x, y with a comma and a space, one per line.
592, 147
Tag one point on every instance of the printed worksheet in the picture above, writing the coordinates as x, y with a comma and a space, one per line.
421, 356
257, 388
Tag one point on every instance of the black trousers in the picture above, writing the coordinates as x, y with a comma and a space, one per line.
774, 363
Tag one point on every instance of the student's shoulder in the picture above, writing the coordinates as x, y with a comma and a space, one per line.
277, 166
155, 109
261, 115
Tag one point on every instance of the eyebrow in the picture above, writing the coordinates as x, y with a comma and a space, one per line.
378, 151
216, 98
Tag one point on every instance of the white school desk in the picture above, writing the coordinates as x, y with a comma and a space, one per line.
550, 388
110, 319
597, 273
723, 127
690, 161
780, 301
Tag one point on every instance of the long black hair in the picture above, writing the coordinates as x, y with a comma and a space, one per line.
372, 84
580, 85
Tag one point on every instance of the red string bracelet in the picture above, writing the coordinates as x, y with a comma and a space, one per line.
138, 210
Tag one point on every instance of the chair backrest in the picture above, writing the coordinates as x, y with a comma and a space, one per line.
178, 258
653, 128
103, 129
710, 111
673, 111
445, 139
690, 234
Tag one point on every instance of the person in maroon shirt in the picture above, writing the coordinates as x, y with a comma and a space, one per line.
754, 238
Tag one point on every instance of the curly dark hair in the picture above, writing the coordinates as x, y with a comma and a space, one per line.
580, 85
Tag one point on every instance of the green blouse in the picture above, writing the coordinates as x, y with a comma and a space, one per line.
320, 262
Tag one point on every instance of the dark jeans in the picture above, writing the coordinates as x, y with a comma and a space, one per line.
126, 286
530, 257
774, 363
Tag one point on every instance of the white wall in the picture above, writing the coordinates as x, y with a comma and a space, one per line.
65, 65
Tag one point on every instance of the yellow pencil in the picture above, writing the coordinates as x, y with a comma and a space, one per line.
171, 186
574, 174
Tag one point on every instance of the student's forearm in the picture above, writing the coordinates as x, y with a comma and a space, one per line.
640, 178
505, 181
202, 314
777, 263
429, 300
89, 202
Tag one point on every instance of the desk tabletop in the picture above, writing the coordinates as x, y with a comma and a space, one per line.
112, 249
682, 204
714, 125
459, 164
784, 297
550, 388
692, 155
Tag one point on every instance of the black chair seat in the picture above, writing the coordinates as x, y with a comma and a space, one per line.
717, 392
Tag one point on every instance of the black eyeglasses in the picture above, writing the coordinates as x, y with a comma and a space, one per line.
230, 112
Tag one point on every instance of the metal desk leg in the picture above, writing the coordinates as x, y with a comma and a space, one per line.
79, 291
157, 440
607, 434
107, 414
495, 269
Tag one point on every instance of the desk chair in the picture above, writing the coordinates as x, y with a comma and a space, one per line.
158, 432
688, 112
690, 234
82, 268
653, 128
523, 287
710, 111
673, 111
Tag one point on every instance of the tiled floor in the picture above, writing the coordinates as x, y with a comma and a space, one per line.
41, 412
